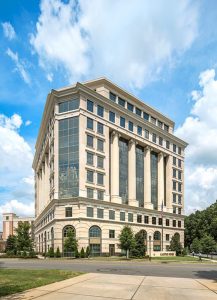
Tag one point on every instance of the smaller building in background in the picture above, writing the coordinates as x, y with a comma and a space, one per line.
10, 223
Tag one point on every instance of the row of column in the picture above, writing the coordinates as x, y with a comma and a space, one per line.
132, 174
43, 185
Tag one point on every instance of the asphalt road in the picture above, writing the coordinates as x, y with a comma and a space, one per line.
182, 270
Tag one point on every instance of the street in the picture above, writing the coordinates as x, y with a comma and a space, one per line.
178, 270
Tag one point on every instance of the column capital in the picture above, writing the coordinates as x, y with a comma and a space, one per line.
148, 149
132, 141
115, 133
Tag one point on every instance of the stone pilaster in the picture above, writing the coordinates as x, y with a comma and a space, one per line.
115, 168
147, 179
132, 174
160, 180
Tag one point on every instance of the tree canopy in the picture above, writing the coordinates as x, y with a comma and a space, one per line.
175, 244
200, 224
24, 241
126, 239
70, 243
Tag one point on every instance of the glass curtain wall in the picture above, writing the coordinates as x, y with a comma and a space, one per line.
123, 170
154, 179
140, 175
69, 157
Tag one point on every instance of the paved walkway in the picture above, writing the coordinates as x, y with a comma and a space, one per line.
123, 287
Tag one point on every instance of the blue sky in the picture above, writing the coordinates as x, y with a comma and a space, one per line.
166, 55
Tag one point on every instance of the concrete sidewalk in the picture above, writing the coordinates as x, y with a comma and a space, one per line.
108, 286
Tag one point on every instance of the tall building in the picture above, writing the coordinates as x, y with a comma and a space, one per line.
105, 159
10, 223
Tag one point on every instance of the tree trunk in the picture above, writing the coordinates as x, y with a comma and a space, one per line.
127, 254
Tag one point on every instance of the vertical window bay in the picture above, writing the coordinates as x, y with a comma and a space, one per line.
69, 157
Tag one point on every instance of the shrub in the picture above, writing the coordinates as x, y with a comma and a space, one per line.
24, 254
82, 253
58, 254
87, 251
32, 254
77, 254
51, 252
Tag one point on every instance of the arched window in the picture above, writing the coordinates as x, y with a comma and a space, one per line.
177, 235
66, 229
157, 236
144, 233
94, 231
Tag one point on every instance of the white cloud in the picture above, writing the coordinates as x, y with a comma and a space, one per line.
28, 122
18, 208
50, 77
128, 41
16, 154
16, 174
200, 130
20, 65
12, 123
8, 30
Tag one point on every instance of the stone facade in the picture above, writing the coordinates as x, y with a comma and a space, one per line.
10, 223
103, 160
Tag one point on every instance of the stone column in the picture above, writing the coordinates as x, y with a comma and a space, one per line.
147, 178
160, 180
169, 184
132, 173
56, 160
115, 168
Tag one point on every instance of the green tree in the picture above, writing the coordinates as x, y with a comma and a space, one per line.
127, 240
70, 243
175, 244
58, 254
24, 240
201, 223
208, 244
51, 252
11, 244
139, 248
196, 245
87, 251
82, 253
77, 254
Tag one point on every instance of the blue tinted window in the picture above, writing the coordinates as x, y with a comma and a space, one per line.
68, 157
154, 179
123, 170
112, 116
90, 105
100, 111
122, 122
146, 116
89, 123
139, 130
140, 175
69, 105
130, 126
112, 96
129, 106
100, 128
138, 111
121, 101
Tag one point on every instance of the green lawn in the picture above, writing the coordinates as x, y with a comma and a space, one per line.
176, 258
15, 281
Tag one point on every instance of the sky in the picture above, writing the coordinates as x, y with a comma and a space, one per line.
165, 54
